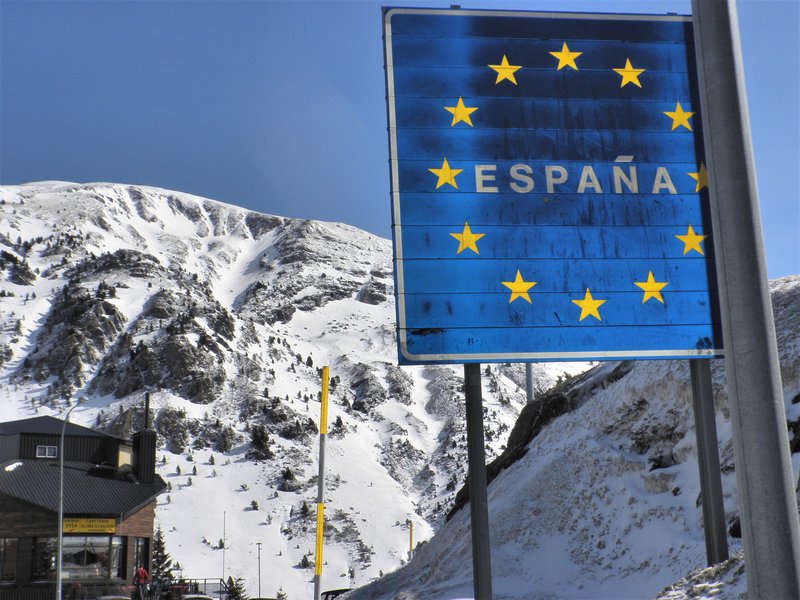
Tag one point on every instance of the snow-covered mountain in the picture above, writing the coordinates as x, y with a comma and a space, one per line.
226, 316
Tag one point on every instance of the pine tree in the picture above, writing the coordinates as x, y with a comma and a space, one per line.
236, 589
281, 595
162, 562
259, 444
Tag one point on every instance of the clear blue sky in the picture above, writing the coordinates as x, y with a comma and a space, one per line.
280, 106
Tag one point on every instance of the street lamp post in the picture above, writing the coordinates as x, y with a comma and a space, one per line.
259, 569
59, 549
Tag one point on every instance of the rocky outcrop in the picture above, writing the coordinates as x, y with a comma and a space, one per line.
77, 331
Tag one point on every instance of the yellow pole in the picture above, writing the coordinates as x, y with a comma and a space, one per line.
323, 430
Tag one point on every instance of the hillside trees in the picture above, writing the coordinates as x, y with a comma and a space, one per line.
259, 443
162, 562
235, 589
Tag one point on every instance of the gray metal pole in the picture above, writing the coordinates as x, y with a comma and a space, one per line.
708, 460
478, 501
60, 545
767, 501
323, 435
529, 382
259, 568
320, 496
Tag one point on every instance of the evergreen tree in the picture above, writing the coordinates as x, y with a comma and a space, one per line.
162, 562
281, 595
259, 443
236, 589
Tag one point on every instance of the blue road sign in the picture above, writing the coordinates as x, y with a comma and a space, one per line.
549, 196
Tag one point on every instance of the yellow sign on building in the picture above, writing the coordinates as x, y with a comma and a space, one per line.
90, 526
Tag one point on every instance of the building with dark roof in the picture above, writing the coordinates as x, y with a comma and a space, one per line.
110, 491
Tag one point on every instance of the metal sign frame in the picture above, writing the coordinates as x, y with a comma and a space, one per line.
425, 341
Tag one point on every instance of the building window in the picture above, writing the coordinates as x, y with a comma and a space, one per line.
91, 557
140, 553
8, 559
44, 559
83, 558
46, 451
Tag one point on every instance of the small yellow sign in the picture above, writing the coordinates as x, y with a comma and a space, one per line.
90, 526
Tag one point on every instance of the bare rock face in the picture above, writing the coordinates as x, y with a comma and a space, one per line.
367, 388
373, 292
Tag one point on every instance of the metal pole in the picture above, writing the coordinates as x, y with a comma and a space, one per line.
708, 460
478, 501
259, 568
410, 524
323, 431
529, 382
60, 545
224, 546
767, 502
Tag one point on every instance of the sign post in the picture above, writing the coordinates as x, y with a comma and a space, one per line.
549, 197
708, 460
767, 501
478, 496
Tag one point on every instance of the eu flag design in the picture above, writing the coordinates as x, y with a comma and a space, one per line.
549, 195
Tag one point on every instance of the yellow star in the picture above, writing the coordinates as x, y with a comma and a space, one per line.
466, 239
701, 177
651, 288
679, 117
691, 241
629, 74
519, 288
446, 174
589, 306
461, 112
566, 58
505, 71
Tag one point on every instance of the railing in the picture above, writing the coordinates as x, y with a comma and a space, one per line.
76, 591
70, 591
213, 587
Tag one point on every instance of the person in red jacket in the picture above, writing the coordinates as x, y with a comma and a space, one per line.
141, 579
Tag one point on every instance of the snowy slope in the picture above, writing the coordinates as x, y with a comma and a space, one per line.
605, 504
225, 316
